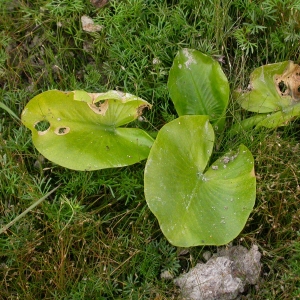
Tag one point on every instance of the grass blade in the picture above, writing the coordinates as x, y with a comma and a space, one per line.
7, 109
4, 228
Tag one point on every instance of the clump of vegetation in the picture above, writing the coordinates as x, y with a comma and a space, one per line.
208, 206
96, 238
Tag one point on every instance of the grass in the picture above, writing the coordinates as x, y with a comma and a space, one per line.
95, 238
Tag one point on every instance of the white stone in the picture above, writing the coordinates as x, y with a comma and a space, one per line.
223, 277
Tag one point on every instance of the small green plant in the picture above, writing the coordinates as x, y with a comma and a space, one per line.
274, 94
196, 204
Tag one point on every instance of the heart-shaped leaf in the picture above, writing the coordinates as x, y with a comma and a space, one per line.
198, 86
81, 131
194, 204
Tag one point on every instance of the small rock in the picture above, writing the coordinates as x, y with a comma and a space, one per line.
207, 255
246, 263
88, 24
223, 277
210, 281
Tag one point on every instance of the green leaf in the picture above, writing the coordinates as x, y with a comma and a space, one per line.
280, 118
275, 91
80, 131
264, 95
194, 204
198, 86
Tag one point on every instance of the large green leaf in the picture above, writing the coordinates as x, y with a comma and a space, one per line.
81, 130
196, 204
198, 86
274, 90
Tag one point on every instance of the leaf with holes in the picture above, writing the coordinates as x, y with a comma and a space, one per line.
196, 204
81, 131
198, 86
274, 90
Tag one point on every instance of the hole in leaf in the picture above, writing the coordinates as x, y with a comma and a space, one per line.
282, 86
62, 130
99, 103
42, 126
142, 108
99, 107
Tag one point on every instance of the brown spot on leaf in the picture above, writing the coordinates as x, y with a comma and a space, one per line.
100, 107
141, 108
62, 130
94, 96
253, 173
288, 84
